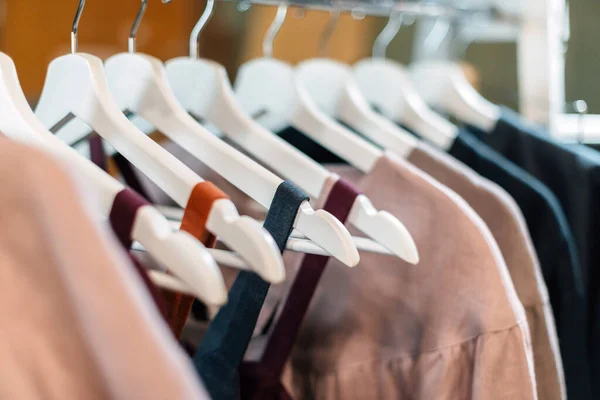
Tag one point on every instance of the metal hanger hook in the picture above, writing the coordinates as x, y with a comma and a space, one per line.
75, 27
460, 42
131, 45
195, 36
437, 34
274, 30
387, 34
334, 18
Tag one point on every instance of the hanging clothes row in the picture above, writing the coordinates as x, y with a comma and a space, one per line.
338, 238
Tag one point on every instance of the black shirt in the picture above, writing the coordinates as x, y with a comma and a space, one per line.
309, 147
573, 174
556, 251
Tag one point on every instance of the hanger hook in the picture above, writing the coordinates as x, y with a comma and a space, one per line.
75, 28
195, 36
334, 18
136, 24
437, 34
460, 41
387, 34
274, 30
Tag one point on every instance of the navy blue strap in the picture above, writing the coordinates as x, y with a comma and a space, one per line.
222, 350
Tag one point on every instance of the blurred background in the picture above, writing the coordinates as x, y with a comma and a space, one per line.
33, 32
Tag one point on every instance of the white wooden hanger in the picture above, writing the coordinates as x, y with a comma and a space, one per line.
266, 86
187, 258
76, 84
331, 84
305, 115
310, 119
140, 85
203, 89
444, 85
298, 242
387, 86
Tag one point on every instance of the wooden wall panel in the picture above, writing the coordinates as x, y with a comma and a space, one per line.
298, 38
36, 31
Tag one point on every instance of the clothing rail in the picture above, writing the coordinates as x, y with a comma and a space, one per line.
368, 7
541, 37
386, 7
540, 30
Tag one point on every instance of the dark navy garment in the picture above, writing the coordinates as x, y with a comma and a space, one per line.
261, 380
309, 147
222, 349
127, 170
556, 251
573, 174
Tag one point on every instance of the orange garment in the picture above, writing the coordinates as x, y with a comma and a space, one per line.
194, 220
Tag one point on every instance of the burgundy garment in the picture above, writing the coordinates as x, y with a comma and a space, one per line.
122, 218
129, 175
98, 157
261, 380
157, 296
97, 151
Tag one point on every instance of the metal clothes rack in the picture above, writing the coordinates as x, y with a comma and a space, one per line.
370, 7
541, 32
541, 62
541, 35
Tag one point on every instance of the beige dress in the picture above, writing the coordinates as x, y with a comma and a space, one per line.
506, 222
76, 322
450, 328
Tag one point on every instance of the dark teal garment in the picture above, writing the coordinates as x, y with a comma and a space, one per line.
573, 174
556, 251
222, 349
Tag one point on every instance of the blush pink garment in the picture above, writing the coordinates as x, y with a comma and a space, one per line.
506, 222
352, 345
76, 321
450, 328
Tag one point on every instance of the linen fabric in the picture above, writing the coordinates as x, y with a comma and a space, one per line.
85, 327
222, 349
451, 327
507, 224
555, 248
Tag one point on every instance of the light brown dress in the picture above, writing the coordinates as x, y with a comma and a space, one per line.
506, 222
76, 322
450, 328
